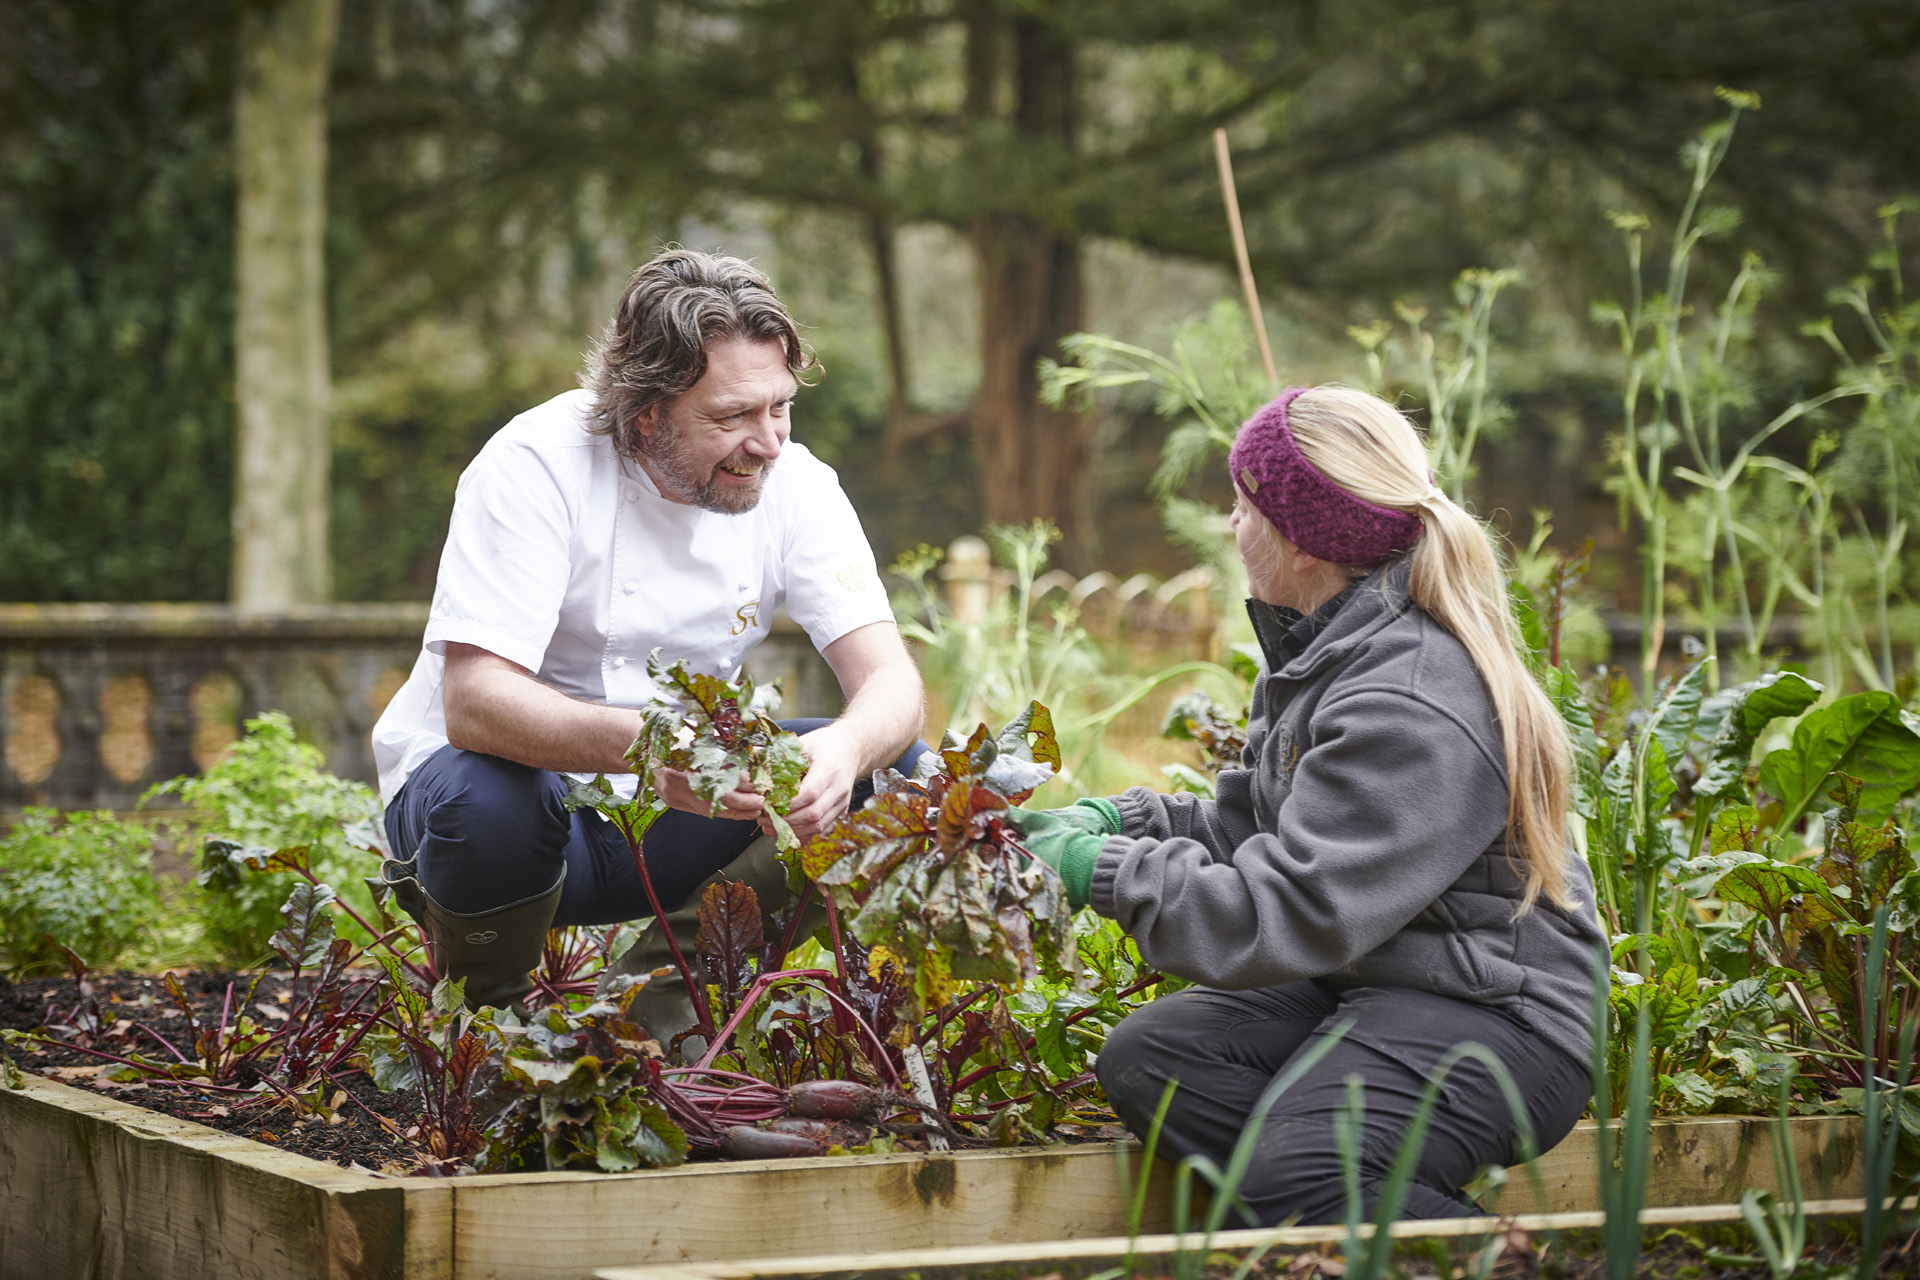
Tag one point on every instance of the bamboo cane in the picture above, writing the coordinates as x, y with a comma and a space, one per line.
1232, 199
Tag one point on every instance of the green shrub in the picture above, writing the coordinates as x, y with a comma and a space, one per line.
272, 793
83, 879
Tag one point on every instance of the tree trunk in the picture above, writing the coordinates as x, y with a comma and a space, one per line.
283, 390
1031, 458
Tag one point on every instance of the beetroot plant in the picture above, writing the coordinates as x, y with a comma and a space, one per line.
937, 882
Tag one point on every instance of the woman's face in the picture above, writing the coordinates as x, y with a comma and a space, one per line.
1277, 571
1262, 550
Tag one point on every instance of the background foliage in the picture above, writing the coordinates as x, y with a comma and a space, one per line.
496, 169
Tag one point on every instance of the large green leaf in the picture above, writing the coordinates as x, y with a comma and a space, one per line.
1697, 877
1742, 715
1865, 735
1564, 688
1676, 710
1671, 1002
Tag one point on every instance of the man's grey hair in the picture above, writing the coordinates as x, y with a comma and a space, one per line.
655, 347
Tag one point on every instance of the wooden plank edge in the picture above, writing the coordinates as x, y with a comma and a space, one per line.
1225, 1241
144, 1123
1001, 1156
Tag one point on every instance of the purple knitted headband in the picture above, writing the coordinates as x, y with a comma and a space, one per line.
1309, 510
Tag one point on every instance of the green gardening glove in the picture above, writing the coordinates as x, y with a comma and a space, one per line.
1068, 840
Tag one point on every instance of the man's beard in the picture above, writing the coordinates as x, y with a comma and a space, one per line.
667, 449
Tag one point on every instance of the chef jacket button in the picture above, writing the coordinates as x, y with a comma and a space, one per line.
633, 494
619, 663
629, 587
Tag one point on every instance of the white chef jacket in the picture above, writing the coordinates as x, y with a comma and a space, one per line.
564, 557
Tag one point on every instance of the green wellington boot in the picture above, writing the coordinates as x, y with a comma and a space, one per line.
495, 951
662, 1006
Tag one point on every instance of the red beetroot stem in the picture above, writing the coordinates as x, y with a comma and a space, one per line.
807, 978
170, 1046
840, 1024
882, 1060
793, 922
694, 993
754, 992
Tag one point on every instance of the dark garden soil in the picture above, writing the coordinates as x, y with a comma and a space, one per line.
352, 1135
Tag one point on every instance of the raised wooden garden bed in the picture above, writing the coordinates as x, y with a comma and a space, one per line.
96, 1187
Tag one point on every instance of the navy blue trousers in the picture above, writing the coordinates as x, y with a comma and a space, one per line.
490, 833
1225, 1047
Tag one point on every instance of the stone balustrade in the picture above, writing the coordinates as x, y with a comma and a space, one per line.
1179, 610
98, 702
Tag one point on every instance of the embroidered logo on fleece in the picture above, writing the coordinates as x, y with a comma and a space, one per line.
1283, 748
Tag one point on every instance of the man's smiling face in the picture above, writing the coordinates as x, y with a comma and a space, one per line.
712, 445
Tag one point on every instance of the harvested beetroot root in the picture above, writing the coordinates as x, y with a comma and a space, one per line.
832, 1132
835, 1100
747, 1142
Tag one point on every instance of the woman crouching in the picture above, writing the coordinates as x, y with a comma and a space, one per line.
1392, 856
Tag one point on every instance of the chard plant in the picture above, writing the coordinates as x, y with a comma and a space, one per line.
721, 733
1741, 842
1217, 732
936, 916
431, 1045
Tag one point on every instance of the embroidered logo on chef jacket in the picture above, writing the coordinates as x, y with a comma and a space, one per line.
853, 577
747, 615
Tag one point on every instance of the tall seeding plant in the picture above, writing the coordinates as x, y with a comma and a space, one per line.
1760, 528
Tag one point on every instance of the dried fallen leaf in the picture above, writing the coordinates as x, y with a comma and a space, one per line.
73, 1073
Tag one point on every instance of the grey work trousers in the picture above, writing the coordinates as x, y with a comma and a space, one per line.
1225, 1047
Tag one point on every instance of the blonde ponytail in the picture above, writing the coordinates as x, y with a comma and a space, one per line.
1368, 448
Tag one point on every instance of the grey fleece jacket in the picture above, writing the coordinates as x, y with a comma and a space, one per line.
1365, 840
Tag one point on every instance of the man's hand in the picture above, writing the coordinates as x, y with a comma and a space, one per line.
675, 786
834, 763
833, 766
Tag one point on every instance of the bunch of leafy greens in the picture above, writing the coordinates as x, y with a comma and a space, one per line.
575, 1091
935, 879
716, 730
